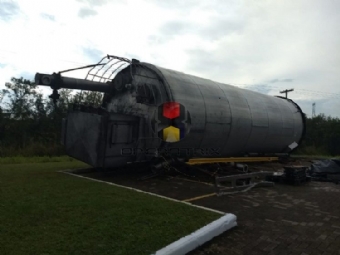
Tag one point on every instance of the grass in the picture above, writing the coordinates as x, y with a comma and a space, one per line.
43, 211
44, 159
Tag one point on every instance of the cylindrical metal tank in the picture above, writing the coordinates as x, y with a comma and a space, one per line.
217, 120
235, 121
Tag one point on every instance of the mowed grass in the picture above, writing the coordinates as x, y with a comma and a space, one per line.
43, 211
25, 160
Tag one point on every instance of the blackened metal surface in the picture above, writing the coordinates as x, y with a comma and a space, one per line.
81, 139
234, 120
100, 140
225, 120
121, 135
55, 81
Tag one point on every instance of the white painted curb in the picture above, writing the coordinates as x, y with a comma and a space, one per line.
189, 242
199, 237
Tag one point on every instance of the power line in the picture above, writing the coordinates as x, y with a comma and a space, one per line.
322, 96
314, 91
62, 60
299, 91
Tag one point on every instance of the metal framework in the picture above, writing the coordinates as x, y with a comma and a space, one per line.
199, 161
249, 180
107, 68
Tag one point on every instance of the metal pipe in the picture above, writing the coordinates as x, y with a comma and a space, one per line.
56, 81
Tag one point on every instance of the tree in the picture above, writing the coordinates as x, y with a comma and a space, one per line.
91, 98
1, 96
322, 136
21, 94
34, 123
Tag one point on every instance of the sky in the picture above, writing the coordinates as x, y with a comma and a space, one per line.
265, 46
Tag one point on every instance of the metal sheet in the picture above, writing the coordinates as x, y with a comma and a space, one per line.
82, 136
236, 120
225, 120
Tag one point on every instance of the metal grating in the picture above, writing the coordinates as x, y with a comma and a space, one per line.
105, 71
107, 68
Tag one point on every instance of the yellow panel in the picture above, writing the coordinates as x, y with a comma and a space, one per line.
171, 134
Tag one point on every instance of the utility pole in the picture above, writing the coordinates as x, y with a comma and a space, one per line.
286, 91
313, 111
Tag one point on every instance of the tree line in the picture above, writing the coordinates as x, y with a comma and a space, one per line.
322, 136
30, 124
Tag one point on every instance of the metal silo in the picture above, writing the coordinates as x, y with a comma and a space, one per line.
225, 120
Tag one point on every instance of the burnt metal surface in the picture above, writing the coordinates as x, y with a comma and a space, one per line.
235, 120
56, 81
226, 120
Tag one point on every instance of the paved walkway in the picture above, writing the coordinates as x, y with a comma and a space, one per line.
279, 220
283, 219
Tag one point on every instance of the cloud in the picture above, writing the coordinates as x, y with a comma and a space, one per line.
322, 106
94, 2
157, 39
178, 5
210, 64
133, 56
47, 16
261, 88
328, 105
209, 27
26, 75
8, 9
2, 65
287, 80
220, 27
210, 31
176, 27
93, 54
86, 12
283, 80
274, 45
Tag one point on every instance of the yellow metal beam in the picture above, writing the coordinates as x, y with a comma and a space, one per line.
199, 197
196, 161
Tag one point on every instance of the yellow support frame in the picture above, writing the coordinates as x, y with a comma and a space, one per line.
197, 161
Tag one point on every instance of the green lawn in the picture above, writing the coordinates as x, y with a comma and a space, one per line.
46, 212
25, 160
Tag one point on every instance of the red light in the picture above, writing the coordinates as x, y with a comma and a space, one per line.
171, 110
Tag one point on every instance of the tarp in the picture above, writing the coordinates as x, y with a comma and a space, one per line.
326, 166
325, 170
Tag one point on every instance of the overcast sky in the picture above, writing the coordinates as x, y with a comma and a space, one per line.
266, 46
